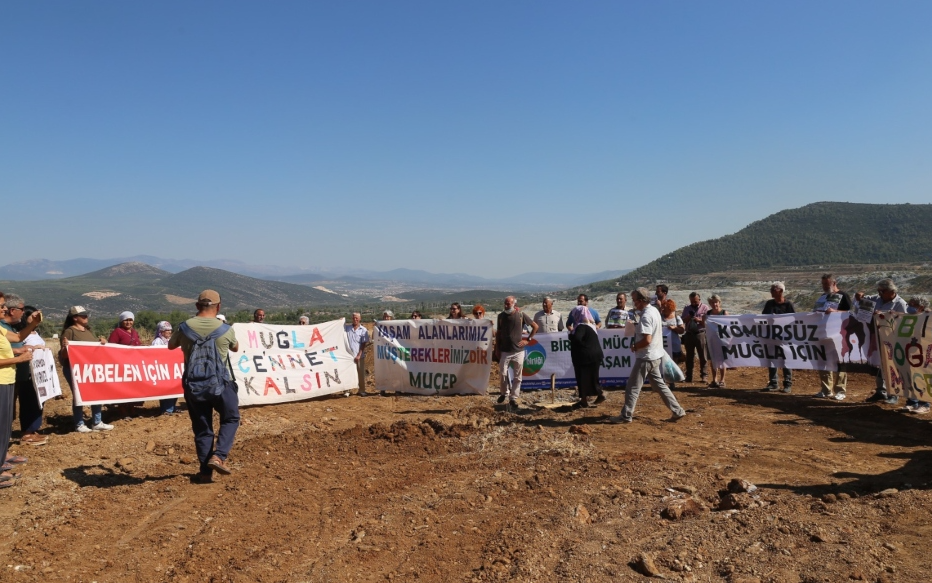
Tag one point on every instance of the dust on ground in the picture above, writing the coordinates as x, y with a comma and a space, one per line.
413, 488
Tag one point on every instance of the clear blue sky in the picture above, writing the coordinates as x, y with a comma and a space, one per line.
489, 138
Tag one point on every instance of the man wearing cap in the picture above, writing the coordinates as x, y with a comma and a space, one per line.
648, 349
30, 414
226, 404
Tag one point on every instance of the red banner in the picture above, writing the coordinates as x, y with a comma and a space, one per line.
112, 373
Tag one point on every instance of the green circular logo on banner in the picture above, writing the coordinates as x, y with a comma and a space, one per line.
534, 358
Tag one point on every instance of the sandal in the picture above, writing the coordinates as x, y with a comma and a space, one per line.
16, 459
6, 467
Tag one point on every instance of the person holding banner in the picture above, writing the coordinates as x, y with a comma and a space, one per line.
834, 382
8, 364
510, 346
163, 333
358, 338
886, 300
76, 329
125, 334
648, 349
778, 304
715, 309
201, 407
456, 312
30, 411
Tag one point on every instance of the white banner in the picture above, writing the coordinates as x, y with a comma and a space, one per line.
44, 375
549, 354
430, 357
808, 341
278, 364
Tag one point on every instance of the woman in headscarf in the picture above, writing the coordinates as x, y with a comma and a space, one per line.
163, 332
76, 329
8, 362
125, 334
586, 354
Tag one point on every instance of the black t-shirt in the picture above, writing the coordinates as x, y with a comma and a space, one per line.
772, 307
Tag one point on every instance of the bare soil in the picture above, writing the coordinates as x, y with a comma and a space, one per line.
409, 488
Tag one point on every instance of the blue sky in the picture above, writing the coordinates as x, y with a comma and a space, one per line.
489, 138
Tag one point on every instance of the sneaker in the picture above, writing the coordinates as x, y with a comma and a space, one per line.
839, 396
617, 420
33, 439
501, 399
820, 395
892, 400
102, 427
908, 408
598, 400
786, 390
769, 389
922, 408
219, 465
674, 418
514, 404
713, 385
82, 428
580, 404
876, 397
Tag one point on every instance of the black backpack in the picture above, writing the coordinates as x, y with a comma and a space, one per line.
204, 374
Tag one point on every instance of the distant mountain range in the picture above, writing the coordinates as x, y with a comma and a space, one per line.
44, 269
822, 233
137, 286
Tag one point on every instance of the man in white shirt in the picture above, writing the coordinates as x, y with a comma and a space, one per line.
547, 319
648, 350
358, 338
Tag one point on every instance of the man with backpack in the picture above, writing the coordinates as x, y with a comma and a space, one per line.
208, 385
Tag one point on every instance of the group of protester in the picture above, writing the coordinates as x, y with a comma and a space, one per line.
653, 317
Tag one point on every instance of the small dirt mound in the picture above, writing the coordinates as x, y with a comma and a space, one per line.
429, 428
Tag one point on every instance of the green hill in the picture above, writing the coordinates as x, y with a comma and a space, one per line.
817, 234
138, 286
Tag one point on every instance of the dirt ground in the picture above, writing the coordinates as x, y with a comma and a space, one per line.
410, 488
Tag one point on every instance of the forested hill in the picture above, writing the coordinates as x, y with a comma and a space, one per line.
816, 234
